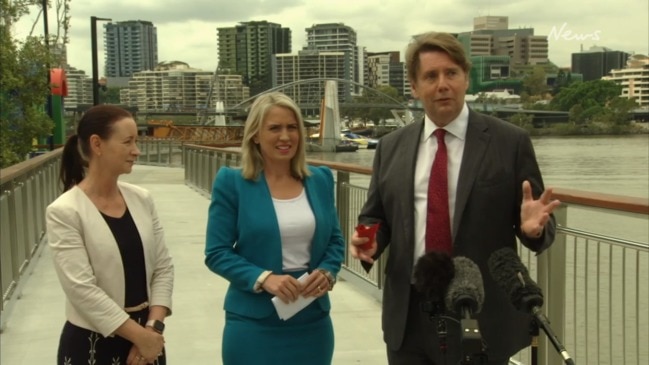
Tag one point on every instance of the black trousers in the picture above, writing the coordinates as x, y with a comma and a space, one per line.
423, 344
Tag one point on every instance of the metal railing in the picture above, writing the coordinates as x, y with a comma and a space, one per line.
160, 152
27, 189
597, 297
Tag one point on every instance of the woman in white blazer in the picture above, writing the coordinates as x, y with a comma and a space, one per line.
108, 249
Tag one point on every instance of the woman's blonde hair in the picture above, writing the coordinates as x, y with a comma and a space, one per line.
252, 161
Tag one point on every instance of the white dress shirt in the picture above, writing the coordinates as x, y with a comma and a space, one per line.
454, 139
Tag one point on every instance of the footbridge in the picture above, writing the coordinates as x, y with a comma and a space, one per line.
596, 293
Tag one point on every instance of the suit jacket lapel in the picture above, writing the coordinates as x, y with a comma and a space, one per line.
475, 145
408, 151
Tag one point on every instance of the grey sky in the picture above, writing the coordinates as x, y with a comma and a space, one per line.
187, 29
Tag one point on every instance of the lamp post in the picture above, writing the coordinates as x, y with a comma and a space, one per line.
46, 38
95, 66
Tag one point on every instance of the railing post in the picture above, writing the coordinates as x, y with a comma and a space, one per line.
552, 280
342, 205
185, 161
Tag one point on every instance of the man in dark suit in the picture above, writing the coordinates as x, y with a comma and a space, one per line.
495, 193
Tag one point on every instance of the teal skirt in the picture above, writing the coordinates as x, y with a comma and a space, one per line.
306, 338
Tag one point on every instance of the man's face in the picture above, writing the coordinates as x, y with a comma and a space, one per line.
440, 84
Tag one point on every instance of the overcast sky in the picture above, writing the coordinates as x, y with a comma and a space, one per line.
187, 29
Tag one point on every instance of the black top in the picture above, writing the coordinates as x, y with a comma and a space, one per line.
130, 247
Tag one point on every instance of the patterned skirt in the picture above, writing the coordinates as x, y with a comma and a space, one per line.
79, 346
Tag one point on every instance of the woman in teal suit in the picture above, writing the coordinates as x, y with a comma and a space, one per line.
269, 223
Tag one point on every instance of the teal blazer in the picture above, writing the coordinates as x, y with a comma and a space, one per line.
243, 238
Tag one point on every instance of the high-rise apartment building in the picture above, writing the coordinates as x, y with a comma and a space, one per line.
176, 87
310, 64
490, 22
386, 69
491, 37
597, 62
247, 48
79, 88
130, 47
634, 79
338, 37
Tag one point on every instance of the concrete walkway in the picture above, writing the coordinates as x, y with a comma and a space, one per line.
193, 334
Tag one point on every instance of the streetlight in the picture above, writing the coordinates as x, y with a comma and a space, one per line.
47, 65
95, 66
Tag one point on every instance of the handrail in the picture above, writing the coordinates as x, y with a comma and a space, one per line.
9, 173
615, 202
26, 189
605, 201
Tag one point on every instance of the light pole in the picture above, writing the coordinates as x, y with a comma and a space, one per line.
95, 66
47, 65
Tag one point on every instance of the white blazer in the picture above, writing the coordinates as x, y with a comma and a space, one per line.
88, 261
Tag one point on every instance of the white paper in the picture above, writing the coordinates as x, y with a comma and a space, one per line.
286, 311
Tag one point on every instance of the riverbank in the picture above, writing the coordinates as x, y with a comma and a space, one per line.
591, 129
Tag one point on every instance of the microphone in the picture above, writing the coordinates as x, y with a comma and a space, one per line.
509, 272
465, 296
433, 273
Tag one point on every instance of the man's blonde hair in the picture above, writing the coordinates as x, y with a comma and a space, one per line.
433, 41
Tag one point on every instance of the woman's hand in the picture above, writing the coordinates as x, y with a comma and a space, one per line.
146, 349
316, 285
285, 287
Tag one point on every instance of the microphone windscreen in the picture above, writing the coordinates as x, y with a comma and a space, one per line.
433, 273
466, 289
509, 272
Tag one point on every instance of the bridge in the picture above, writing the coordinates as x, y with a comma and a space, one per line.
595, 284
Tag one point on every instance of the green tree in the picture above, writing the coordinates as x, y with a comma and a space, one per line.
522, 120
618, 111
559, 82
588, 94
109, 96
23, 87
574, 114
379, 95
535, 83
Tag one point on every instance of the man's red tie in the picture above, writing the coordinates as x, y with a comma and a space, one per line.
438, 222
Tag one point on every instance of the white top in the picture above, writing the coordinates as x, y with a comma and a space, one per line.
454, 139
296, 228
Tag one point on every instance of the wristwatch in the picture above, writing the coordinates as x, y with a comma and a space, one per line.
157, 326
330, 278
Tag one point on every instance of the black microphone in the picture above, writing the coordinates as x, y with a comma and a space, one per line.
433, 273
465, 296
509, 272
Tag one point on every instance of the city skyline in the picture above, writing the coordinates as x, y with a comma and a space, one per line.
188, 33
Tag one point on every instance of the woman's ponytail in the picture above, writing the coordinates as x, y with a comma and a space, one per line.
72, 169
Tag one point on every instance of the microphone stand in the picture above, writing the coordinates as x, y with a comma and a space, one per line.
534, 332
434, 310
471, 339
541, 321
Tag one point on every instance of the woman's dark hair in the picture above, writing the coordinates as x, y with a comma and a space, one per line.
97, 120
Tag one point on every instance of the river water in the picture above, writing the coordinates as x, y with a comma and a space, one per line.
612, 165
